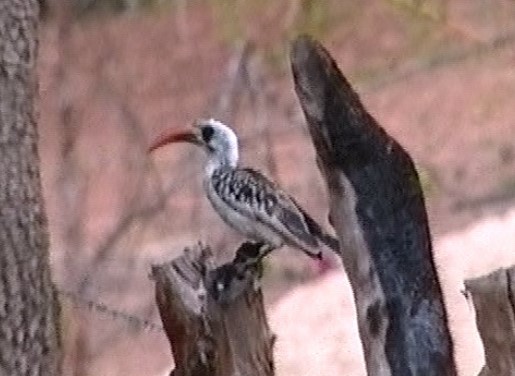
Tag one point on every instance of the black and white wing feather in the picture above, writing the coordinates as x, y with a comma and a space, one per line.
253, 195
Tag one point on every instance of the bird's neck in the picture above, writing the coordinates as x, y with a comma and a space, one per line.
228, 159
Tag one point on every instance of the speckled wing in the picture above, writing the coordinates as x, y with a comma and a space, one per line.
253, 195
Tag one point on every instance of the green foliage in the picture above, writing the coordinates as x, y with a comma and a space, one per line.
228, 15
427, 182
434, 10
313, 18
302, 17
310, 17
425, 27
507, 186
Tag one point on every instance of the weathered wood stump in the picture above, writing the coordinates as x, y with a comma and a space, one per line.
214, 318
377, 209
494, 301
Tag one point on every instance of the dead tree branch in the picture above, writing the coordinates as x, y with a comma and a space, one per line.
224, 103
378, 211
494, 302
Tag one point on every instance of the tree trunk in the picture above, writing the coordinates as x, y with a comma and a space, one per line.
29, 339
377, 209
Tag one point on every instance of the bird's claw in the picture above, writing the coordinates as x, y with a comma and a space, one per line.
230, 280
225, 282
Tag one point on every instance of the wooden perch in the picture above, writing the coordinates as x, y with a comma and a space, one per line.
378, 211
494, 301
215, 322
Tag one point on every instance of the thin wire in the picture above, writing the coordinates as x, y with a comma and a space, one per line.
133, 320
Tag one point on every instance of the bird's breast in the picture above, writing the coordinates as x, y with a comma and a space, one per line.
245, 222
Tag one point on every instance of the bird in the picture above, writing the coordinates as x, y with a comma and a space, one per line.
246, 199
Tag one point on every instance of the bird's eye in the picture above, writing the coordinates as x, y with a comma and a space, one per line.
207, 133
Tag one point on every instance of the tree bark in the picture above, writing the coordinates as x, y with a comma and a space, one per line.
494, 302
378, 211
29, 340
213, 329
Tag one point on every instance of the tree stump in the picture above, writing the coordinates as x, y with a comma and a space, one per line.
494, 301
378, 211
214, 318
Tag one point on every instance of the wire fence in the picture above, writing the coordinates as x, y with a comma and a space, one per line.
128, 319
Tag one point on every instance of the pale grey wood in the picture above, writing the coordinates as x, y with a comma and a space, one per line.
494, 301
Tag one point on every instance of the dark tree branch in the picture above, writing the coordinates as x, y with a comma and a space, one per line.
378, 211
494, 302
213, 331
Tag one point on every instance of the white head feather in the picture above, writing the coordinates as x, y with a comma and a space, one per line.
220, 143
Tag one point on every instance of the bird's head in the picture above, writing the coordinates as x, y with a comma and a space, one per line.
216, 138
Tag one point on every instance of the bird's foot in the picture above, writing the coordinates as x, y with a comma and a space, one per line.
232, 279
227, 282
250, 251
251, 255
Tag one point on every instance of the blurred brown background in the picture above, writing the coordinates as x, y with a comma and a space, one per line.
438, 75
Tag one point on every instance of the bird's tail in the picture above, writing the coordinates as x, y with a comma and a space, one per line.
322, 237
330, 242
